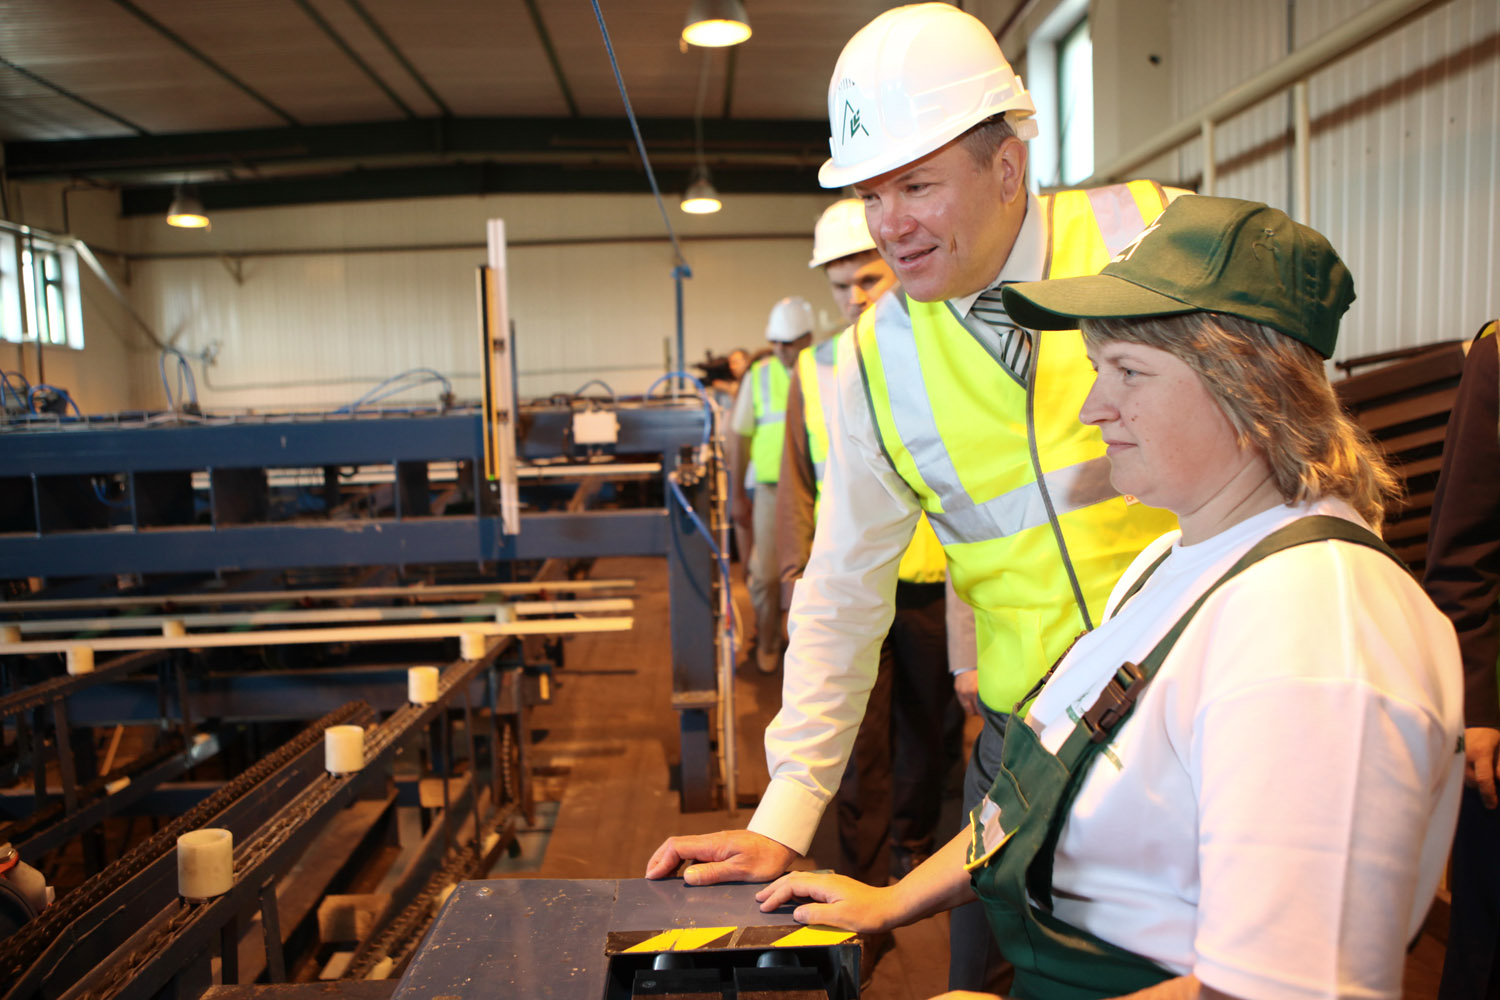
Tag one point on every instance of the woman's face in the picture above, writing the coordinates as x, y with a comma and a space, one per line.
1169, 443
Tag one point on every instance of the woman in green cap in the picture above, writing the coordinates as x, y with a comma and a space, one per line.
1244, 782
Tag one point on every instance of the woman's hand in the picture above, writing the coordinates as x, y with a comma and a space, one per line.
837, 901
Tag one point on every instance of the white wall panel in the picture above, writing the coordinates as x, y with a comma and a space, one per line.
591, 292
1405, 146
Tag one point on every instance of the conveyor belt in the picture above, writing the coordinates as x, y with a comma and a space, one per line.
29, 944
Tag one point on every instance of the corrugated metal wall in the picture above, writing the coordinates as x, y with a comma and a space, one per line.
316, 330
1405, 152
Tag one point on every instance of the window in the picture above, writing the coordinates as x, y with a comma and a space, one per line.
1060, 74
39, 290
1075, 92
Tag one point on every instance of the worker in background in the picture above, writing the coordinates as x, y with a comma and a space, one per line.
759, 425
1463, 580
947, 408
891, 793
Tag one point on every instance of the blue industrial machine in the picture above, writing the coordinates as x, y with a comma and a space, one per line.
122, 509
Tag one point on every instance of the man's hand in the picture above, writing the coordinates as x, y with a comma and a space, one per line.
966, 690
1480, 748
836, 900
727, 856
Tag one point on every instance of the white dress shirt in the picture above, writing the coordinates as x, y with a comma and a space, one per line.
843, 605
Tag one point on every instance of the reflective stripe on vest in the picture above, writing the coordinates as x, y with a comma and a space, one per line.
768, 384
923, 561
815, 370
1015, 485
962, 519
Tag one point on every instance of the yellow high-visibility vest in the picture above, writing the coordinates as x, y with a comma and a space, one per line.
1015, 485
769, 382
923, 561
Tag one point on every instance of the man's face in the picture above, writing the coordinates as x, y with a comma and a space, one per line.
946, 223
788, 352
739, 362
857, 280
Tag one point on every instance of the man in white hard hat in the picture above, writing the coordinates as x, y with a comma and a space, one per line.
890, 797
759, 422
947, 408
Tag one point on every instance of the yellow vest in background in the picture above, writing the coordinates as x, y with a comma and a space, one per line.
923, 561
769, 382
990, 457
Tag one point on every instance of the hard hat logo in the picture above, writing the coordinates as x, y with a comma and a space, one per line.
852, 122
909, 82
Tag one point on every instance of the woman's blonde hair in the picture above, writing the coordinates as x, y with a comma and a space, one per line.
1276, 395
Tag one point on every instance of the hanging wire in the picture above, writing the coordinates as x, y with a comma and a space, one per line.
698, 112
635, 127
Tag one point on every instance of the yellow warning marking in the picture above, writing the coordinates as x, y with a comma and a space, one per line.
682, 939
813, 936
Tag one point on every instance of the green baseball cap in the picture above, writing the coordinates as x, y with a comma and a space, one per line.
1206, 254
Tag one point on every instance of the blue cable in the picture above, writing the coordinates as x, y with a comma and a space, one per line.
599, 382
635, 127
708, 408
31, 398
372, 397
186, 382
20, 394
719, 557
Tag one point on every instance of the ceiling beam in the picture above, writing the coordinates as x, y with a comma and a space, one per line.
343, 46
448, 180
396, 53
559, 140
202, 57
84, 101
552, 60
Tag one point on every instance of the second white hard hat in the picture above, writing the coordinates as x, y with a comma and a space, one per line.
911, 80
790, 319
841, 231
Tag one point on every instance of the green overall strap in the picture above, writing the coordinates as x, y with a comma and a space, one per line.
1118, 699
1135, 587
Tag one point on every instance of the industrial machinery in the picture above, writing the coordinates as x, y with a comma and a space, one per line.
238, 588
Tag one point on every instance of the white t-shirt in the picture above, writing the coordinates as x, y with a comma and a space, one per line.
1275, 815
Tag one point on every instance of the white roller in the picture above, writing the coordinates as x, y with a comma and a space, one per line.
343, 749
472, 645
205, 863
422, 685
80, 660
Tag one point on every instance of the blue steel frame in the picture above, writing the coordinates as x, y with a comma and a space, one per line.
63, 462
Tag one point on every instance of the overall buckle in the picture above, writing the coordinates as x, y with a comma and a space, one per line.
1115, 702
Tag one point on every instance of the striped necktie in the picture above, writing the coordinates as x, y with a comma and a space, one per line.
1014, 342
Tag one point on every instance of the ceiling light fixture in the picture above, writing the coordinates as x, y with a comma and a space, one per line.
700, 198
187, 209
716, 23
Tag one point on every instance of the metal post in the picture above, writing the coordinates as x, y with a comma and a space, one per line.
229, 952
270, 926
678, 273
447, 727
1302, 154
1210, 168
66, 770
492, 694
473, 761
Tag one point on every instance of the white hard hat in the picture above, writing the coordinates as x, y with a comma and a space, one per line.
841, 231
790, 319
911, 80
